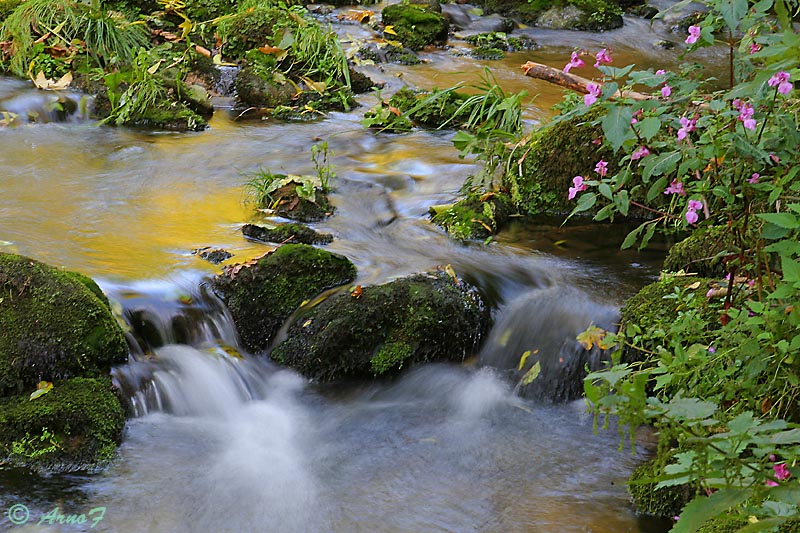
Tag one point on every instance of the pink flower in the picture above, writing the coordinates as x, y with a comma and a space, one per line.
640, 152
601, 168
691, 211
754, 178
578, 186
666, 90
660, 72
687, 126
781, 471
781, 79
603, 56
755, 47
574, 62
676, 187
746, 112
775, 159
594, 93
694, 34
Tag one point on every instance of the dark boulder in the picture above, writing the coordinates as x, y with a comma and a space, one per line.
379, 330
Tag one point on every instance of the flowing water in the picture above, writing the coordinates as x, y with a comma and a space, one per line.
224, 441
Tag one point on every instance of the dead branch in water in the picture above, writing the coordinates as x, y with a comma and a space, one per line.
572, 81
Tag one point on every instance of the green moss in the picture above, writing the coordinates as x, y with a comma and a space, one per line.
554, 155
390, 357
261, 297
594, 15
415, 25
728, 524
474, 217
204, 10
52, 326
702, 252
380, 329
424, 109
249, 30
84, 416
286, 234
174, 116
656, 307
666, 501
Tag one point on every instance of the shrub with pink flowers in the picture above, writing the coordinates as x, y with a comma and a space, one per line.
696, 156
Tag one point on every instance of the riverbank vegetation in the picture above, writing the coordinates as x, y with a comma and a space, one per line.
717, 373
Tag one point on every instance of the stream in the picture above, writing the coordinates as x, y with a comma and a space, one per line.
216, 442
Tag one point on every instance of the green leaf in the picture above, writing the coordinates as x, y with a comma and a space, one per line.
689, 409
617, 125
605, 190
656, 188
631, 238
784, 220
41, 389
791, 269
648, 128
622, 202
702, 508
732, 12
585, 202
661, 164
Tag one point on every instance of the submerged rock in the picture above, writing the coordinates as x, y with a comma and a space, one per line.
379, 330
262, 295
286, 234
54, 325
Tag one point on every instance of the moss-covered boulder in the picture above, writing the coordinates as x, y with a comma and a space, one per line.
286, 234
379, 330
416, 25
54, 325
262, 295
554, 155
592, 15
649, 500
655, 308
703, 252
475, 217
77, 425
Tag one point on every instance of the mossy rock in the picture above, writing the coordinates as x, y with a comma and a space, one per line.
703, 252
54, 325
379, 330
554, 155
654, 309
423, 109
205, 10
83, 415
732, 524
474, 217
286, 234
251, 29
255, 89
261, 296
593, 15
664, 501
416, 25
172, 116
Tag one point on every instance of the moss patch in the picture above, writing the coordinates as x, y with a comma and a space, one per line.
83, 415
474, 217
261, 296
416, 25
666, 501
52, 326
702, 252
379, 330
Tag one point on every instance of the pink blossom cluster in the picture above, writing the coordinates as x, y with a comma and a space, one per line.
676, 187
781, 80
746, 112
691, 210
593, 94
575, 61
694, 34
577, 186
780, 471
603, 57
687, 126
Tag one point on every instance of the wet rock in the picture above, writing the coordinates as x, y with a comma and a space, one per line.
491, 23
476, 216
261, 295
286, 234
458, 15
379, 330
75, 426
255, 90
54, 325
213, 255
416, 25
664, 44
388, 54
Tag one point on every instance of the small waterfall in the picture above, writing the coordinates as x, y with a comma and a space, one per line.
545, 322
21, 104
224, 86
